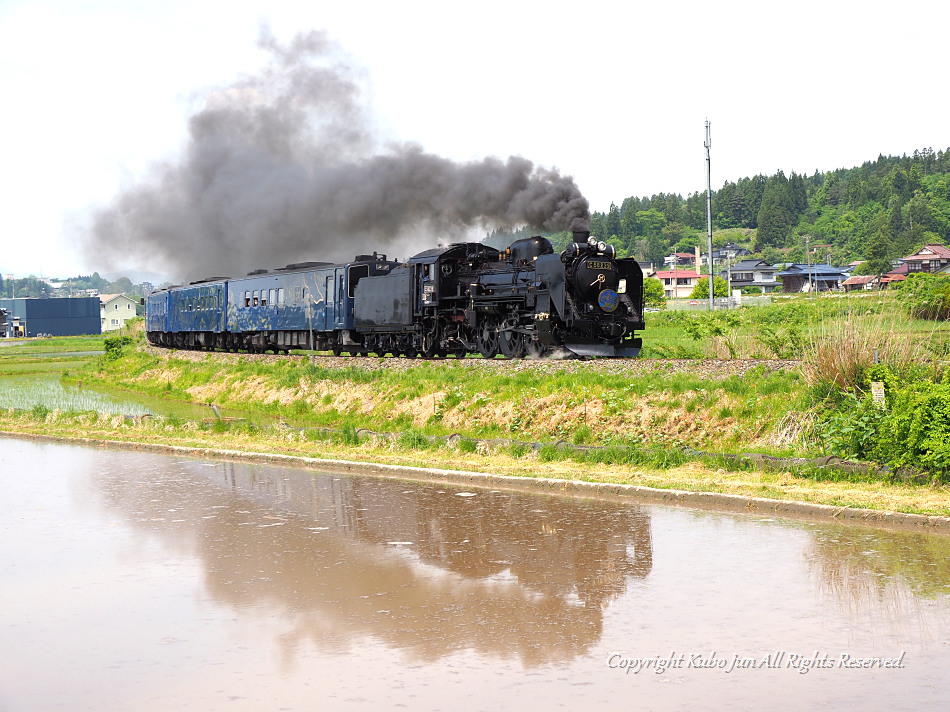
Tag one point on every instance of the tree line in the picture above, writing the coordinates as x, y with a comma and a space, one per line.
881, 210
33, 286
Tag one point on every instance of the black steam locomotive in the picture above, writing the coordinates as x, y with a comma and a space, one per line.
460, 299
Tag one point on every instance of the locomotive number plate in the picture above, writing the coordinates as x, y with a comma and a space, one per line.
599, 265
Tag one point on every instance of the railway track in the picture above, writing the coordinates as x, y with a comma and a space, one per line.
706, 368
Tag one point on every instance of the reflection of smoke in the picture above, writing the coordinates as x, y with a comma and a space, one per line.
285, 166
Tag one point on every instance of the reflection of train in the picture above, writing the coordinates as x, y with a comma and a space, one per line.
461, 299
501, 572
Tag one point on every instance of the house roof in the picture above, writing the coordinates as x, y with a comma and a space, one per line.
863, 279
929, 251
817, 271
890, 277
750, 264
106, 298
680, 273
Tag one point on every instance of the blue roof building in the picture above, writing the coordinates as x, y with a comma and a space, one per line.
805, 278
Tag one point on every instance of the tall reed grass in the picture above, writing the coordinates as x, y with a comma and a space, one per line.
839, 352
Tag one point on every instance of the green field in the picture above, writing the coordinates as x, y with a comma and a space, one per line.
789, 380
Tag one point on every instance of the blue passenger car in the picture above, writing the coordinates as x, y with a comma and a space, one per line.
187, 317
156, 314
300, 306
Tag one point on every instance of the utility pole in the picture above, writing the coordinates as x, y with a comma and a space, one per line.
676, 286
712, 274
728, 281
808, 262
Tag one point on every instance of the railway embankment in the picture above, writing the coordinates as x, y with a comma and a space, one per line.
668, 424
727, 405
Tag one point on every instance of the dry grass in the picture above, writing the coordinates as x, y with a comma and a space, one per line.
840, 351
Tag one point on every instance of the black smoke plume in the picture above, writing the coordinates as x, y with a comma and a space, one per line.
286, 167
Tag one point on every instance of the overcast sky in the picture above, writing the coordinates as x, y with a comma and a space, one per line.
613, 94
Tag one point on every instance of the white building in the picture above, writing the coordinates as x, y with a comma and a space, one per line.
115, 310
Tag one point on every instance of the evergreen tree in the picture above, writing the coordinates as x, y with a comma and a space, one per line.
695, 211
877, 262
895, 216
597, 225
752, 191
797, 195
656, 249
612, 222
775, 215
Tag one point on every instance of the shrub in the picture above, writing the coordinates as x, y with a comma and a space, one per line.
927, 295
852, 429
114, 346
916, 432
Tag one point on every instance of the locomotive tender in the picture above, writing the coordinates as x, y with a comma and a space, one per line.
460, 299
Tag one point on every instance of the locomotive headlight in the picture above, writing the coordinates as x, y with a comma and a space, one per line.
592, 241
602, 246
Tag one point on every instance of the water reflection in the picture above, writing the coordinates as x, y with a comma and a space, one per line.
149, 582
887, 576
429, 569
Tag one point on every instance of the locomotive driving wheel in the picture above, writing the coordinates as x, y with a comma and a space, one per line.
487, 340
512, 344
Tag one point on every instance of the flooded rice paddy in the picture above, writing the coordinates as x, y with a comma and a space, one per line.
31, 391
27, 392
155, 582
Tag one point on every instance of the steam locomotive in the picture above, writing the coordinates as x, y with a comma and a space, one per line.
461, 299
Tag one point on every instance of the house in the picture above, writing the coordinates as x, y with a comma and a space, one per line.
752, 273
115, 310
680, 259
677, 284
726, 254
853, 284
929, 258
806, 278
898, 274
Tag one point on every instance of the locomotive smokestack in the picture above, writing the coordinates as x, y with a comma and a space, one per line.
581, 236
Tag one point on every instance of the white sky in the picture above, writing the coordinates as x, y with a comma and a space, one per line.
613, 93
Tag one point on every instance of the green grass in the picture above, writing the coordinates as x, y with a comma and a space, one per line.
55, 344
460, 397
778, 330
